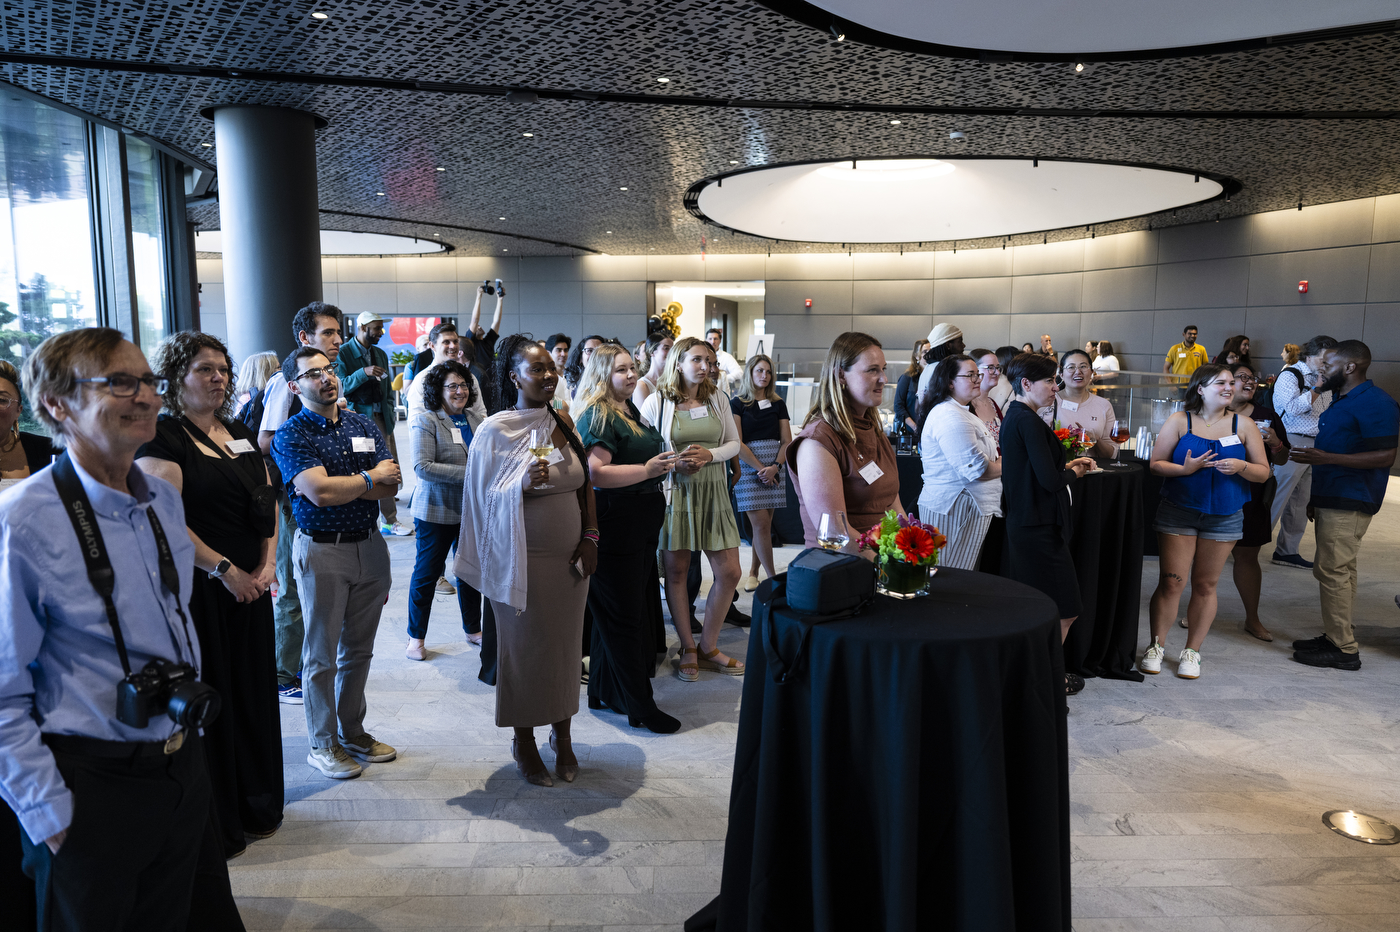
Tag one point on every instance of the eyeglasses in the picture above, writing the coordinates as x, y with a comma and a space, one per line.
989, 368
317, 373
6, 402
455, 388
970, 376
122, 385
1246, 379
1079, 369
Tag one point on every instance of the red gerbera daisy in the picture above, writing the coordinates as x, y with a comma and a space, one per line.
915, 544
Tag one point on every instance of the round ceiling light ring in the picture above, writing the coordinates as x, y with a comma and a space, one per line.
903, 169
833, 17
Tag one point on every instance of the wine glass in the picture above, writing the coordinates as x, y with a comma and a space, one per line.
1119, 435
541, 446
832, 532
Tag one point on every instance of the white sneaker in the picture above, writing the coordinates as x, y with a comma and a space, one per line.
444, 587
1189, 666
397, 529
415, 649
333, 762
1151, 661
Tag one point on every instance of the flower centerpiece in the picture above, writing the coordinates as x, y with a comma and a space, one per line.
907, 550
1073, 439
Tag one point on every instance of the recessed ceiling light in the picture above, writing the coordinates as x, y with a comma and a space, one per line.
528, 135
610, 232
895, 122
622, 189
663, 80
503, 218
733, 161
439, 169
378, 193
320, 15
505, 250
1079, 66
207, 145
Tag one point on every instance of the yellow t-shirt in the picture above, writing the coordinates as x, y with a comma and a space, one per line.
1183, 361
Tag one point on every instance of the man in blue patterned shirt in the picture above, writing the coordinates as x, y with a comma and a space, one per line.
337, 467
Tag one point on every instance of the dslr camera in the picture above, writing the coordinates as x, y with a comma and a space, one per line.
486, 287
172, 688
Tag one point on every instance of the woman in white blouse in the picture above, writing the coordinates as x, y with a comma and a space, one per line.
962, 468
1105, 361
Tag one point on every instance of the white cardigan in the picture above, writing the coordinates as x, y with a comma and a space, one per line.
660, 413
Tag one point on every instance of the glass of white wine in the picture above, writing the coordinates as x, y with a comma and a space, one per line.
541, 447
832, 532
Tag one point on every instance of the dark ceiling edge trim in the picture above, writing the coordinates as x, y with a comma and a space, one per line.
1229, 188
172, 151
453, 226
824, 21
524, 94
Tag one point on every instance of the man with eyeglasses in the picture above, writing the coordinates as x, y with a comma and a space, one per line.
337, 467
114, 810
319, 325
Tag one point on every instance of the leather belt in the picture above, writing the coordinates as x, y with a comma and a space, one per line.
345, 537
98, 747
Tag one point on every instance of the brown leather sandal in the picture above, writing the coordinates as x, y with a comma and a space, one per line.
731, 668
689, 672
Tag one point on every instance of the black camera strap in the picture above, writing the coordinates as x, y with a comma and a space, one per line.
99, 567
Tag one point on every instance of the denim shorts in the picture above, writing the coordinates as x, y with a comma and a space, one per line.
1173, 519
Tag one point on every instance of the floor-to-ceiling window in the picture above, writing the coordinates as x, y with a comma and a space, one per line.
147, 242
46, 255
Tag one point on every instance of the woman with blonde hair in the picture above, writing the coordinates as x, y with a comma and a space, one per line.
765, 431
693, 417
253, 376
848, 467
1290, 354
626, 464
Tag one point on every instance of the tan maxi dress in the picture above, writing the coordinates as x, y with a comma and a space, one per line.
538, 655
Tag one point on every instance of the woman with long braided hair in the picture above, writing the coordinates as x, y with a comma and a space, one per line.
529, 542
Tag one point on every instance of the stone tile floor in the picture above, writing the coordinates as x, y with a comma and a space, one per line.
1196, 805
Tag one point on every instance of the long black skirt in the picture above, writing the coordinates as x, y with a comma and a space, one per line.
1039, 557
622, 596
243, 746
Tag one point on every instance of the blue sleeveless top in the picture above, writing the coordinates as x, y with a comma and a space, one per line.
1208, 491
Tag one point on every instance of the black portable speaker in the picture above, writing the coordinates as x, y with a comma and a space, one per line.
825, 582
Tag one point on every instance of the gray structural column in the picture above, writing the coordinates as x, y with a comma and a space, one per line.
271, 228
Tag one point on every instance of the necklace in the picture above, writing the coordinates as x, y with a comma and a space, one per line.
12, 441
1217, 420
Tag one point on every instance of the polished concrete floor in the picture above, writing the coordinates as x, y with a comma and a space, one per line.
1196, 804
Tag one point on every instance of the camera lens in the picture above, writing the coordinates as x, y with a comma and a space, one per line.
193, 705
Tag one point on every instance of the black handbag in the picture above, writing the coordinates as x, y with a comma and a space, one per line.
262, 498
819, 586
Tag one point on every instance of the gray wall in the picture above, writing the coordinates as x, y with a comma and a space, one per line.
1136, 289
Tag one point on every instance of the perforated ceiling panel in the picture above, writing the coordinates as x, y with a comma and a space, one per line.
563, 184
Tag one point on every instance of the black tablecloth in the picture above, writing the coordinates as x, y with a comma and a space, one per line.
923, 782
1107, 548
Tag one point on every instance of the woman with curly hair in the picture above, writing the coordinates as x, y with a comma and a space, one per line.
529, 542
439, 438
230, 511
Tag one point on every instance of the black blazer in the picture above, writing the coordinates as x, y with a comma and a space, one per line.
38, 450
1034, 477
906, 401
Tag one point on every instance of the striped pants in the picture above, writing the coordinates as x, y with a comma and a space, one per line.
964, 526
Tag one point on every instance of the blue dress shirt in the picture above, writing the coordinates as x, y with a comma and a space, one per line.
308, 440
59, 666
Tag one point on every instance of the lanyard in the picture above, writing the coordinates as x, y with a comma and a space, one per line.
99, 568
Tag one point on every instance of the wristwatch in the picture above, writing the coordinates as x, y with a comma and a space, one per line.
223, 567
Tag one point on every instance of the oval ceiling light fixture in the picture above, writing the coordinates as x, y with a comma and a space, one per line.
1113, 29
344, 243
921, 199
319, 15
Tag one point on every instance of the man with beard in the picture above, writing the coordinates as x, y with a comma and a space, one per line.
337, 467
1355, 448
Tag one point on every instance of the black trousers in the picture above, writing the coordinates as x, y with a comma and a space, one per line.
488, 644
140, 832
16, 890
623, 654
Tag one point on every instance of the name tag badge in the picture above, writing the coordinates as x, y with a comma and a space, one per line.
870, 472
765, 404
555, 458
1230, 441
699, 413
237, 447
362, 444
457, 436
1069, 405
